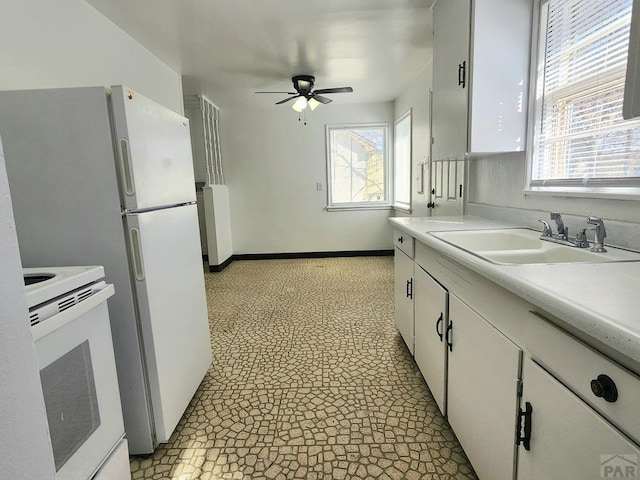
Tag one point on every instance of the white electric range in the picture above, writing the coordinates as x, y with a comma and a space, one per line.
70, 326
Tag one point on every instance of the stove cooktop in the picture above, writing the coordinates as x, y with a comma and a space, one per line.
43, 284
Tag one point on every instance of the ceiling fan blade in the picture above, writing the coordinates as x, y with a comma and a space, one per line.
287, 100
321, 99
286, 93
335, 90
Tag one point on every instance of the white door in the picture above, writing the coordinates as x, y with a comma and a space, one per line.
568, 440
153, 144
431, 320
169, 284
404, 289
482, 399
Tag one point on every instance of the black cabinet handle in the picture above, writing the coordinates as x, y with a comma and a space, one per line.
462, 74
438, 325
400, 239
449, 335
410, 288
604, 387
525, 415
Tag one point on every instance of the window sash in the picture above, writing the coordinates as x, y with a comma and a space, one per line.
360, 178
579, 136
402, 161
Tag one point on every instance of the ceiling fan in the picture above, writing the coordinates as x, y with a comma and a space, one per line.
306, 96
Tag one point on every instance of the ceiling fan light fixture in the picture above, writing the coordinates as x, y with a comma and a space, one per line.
313, 103
300, 104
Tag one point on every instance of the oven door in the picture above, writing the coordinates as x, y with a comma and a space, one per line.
80, 385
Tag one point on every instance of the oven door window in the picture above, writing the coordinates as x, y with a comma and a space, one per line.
70, 398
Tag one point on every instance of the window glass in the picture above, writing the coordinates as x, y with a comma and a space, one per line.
402, 162
358, 165
580, 137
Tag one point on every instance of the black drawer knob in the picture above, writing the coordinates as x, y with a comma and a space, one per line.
604, 387
400, 239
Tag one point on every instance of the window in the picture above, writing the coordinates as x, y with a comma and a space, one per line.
580, 139
358, 166
402, 162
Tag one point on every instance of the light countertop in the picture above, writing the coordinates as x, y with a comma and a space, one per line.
601, 299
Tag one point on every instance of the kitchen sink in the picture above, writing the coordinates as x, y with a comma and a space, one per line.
488, 240
520, 246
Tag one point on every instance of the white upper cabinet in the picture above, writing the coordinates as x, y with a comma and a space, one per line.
481, 51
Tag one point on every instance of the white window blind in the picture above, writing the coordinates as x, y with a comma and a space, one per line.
580, 137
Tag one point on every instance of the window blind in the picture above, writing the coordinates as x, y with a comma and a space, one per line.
580, 135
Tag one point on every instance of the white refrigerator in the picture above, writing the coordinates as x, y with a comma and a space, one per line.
105, 177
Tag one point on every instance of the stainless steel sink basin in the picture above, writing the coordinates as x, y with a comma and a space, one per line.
520, 246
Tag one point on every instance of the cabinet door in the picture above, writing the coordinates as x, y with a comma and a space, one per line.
482, 399
452, 23
404, 296
447, 179
431, 320
568, 440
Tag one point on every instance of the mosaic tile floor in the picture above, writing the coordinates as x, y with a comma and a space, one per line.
310, 380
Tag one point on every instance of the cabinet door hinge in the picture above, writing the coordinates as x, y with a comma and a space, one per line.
519, 388
524, 426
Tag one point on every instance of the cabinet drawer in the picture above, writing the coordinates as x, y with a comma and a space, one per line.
404, 242
577, 365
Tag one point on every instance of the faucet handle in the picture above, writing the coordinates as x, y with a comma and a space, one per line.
546, 231
581, 238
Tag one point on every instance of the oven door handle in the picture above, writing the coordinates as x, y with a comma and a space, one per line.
39, 330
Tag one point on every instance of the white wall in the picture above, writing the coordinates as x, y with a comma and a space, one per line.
47, 44
496, 186
416, 97
25, 450
272, 163
67, 43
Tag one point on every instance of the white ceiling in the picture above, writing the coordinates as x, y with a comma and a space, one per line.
228, 49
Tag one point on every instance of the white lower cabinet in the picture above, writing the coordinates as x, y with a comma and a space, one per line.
404, 288
482, 399
431, 321
569, 413
568, 440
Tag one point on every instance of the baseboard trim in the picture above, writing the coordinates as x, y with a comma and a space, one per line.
222, 266
294, 255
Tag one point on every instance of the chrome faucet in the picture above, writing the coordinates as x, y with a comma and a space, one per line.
600, 234
546, 230
562, 237
563, 231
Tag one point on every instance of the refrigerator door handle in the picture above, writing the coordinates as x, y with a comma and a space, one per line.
124, 155
136, 252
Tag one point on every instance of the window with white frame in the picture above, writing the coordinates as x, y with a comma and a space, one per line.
358, 165
402, 162
580, 139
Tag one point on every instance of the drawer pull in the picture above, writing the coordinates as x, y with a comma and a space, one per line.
410, 288
439, 326
524, 426
448, 334
604, 387
400, 239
